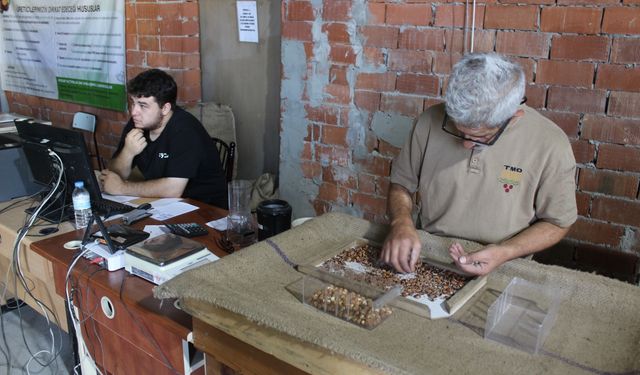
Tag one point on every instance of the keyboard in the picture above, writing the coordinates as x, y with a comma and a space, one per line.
187, 229
106, 207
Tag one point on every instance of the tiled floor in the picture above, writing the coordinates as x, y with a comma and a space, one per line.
27, 341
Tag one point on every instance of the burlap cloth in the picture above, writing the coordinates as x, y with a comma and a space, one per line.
597, 329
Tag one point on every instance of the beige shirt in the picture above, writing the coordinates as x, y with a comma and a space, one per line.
489, 194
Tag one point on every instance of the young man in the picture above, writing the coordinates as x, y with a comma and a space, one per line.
167, 144
487, 169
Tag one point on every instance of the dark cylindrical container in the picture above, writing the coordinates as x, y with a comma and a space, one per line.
274, 216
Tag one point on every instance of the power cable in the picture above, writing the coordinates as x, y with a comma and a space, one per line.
19, 275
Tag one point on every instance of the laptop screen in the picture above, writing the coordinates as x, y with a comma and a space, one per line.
71, 148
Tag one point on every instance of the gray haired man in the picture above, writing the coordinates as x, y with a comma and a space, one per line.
486, 167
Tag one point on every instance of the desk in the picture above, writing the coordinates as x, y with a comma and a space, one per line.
145, 335
36, 268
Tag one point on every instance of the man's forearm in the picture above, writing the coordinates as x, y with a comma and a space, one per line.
168, 187
539, 236
121, 165
400, 205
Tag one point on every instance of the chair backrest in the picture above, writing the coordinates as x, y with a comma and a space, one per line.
87, 122
227, 154
84, 121
219, 122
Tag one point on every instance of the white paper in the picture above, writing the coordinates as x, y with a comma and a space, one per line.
174, 209
220, 224
247, 21
162, 202
118, 198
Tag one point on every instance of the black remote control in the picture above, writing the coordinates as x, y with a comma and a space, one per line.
187, 229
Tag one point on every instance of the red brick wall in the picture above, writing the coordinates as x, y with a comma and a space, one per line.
159, 34
581, 60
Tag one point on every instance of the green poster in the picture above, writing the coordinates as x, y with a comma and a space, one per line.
71, 50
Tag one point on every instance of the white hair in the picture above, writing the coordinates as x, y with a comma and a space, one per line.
484, 89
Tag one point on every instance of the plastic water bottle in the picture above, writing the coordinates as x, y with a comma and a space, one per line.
81, 205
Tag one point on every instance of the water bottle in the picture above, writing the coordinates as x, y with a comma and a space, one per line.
81, 205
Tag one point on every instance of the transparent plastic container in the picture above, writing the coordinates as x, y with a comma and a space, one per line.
523, 315
362, 308
242, 229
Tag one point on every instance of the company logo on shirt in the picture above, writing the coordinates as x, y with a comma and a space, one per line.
510, 176
163, 155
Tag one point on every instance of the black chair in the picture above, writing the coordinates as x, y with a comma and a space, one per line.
227, 154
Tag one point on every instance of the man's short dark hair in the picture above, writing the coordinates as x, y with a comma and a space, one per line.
156, 83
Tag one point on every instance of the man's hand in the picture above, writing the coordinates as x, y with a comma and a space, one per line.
111, 182
402, 247
539, 236
134, 142
479, 263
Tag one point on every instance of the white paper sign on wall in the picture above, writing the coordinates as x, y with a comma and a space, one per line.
247, 21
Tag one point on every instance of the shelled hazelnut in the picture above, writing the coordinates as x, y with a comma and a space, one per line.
349, 306
428, 280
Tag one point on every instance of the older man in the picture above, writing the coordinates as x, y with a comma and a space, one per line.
486, 168
167, 144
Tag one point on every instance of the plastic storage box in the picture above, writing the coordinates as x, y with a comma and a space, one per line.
351, 302
523, 315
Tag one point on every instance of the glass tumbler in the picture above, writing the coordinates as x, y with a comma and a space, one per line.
241, 225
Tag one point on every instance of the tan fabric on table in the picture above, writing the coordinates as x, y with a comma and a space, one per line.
463, 191
597, 330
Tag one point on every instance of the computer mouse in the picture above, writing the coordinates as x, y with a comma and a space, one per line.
48, 230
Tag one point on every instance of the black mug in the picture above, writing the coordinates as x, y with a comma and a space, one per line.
274, 216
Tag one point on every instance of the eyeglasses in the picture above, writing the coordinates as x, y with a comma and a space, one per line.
458, 134
450, 129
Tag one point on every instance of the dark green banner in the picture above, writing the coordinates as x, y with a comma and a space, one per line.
93, 93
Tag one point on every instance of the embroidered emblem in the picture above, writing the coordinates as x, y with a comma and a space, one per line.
163, 155
510, 177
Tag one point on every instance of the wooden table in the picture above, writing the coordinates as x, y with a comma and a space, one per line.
147, 336
144, 335
232, 341
38, 270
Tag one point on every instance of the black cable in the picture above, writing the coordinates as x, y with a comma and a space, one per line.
6, 354
99, 339
88, 314
95, 143
17, 203
52, 186
76, 292
55, 320
24, 282
58, 189
19, 307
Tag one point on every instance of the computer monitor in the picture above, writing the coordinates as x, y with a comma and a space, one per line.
70, 146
